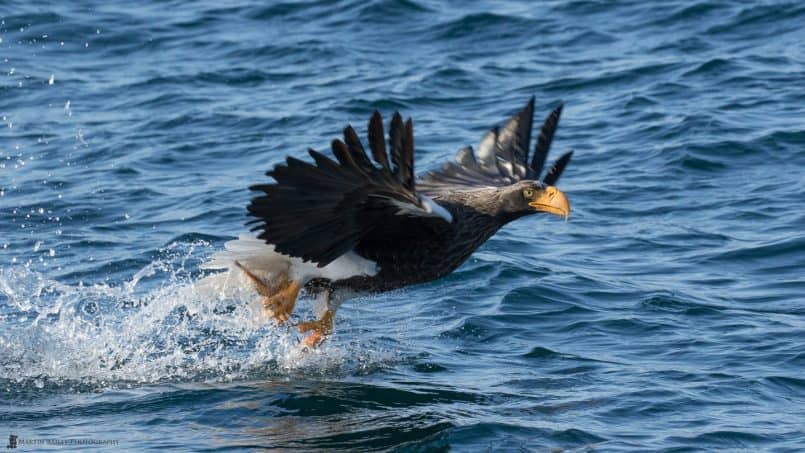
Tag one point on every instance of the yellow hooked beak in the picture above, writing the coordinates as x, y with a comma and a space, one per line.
553, 201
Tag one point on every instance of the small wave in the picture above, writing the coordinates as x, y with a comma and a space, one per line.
362, 105
692, 162
585, 7
500, 436
758, 18
480, 25
452, 78
542, 353
715, 67
781, 139
475, 329
428, 367
385, 10
688, 45
589, 38
619, 326
284, 10
792, 247
723, 439
671, 304
638, 103
23, 21
696, 11
238, 76
282, 56
793, 386
608, 79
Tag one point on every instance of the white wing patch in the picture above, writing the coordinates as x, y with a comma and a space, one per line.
435, 208
429, 208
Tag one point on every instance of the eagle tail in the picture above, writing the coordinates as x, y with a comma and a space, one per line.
265, 262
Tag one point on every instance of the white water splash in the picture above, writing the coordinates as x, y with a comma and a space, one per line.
179, 329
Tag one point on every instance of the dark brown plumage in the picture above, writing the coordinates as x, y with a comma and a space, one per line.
413, 231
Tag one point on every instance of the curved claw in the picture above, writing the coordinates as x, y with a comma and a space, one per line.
321, 329
279, 299
280, 305
314, 340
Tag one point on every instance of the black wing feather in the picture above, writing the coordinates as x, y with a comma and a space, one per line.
395, 141
377, 143
356, 149
343, 154
318, 211
513, 142
501, 158
544, 141
407, 157
557, 168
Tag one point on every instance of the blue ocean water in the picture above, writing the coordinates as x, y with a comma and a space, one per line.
667, 314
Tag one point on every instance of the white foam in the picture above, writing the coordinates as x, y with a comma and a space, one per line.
166, 323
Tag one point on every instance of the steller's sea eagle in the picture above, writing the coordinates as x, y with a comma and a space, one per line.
357, 225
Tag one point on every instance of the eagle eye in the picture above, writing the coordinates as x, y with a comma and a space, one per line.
528, 193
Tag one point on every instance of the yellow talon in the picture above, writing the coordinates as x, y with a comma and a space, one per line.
279, 300
321, 328
281, 305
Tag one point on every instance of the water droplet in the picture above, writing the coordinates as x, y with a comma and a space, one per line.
51, 252
37, 245
51, 79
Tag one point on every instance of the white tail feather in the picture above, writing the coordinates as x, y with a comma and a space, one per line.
265, 262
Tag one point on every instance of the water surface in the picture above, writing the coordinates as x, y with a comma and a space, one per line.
666, 315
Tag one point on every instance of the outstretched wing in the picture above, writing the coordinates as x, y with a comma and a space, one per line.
318, 211
502, 157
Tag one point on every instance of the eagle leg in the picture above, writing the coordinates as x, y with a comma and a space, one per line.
279, 301
281, 305
322, 328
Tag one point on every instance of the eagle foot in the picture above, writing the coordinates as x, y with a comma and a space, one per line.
322, 328
279, 299
280, 305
